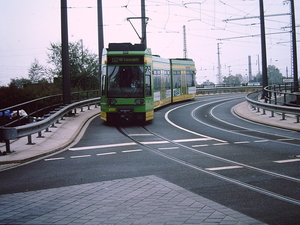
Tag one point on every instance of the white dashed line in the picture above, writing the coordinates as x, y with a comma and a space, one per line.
241, 142
261, 141
221, 144
285, 139
102, 146
53, 159
106, 153
80, 156
134, 150
168, 148
195, 146
287, 161
224, 168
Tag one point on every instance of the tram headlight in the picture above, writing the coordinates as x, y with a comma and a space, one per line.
139, 101
111, 101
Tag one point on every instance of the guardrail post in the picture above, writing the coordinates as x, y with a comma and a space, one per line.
283, 116
7, 134
30, 140
297, 119
40, 135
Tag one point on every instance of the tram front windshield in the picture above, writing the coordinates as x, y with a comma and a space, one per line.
125, 82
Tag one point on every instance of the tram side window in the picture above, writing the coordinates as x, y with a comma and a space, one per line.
177, 78
167, 79
148, 85
190, 78
157, 80
103, 77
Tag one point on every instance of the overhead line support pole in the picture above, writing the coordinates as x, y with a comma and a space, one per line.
65, 54
143, 12
294, 50
263, 49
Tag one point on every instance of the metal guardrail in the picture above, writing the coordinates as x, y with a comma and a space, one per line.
253, 100
283, 94
39, 107
219, 90
11, 133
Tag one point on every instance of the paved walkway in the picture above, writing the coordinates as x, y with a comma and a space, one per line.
140, 200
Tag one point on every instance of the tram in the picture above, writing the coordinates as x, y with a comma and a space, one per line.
134, 82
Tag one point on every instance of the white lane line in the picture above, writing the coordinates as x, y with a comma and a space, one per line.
285, 139
168, 148
133, 135
134, 150
79, 156
52, 159
102, 146
106, 153
189, 131
224, 168
194, 139
261, 141
241, 142
222, 143
154, 142
287, 161
195, 146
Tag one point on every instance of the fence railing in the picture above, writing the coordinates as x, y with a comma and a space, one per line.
25, 112
11, 133
283, 94
255, 100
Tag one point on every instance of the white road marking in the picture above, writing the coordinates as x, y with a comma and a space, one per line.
168, 148
52, 159
133, 135
134, 150
102, 146
195, 139
224, 168
80, 156
285, 139
221, 143
261, 141
241, 142
195, 146
154, 142
106, 153
287, 161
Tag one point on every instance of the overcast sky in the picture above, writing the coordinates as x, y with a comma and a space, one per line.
29, 26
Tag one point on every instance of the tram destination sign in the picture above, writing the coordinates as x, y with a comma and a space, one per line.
128, 59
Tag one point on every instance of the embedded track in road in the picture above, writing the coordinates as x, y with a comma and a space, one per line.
185, 152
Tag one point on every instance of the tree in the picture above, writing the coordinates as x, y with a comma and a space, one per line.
37, 73
232, 80
274, 76
84, 66
208, 83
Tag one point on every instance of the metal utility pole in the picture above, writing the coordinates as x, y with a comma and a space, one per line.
219, 65
65, 54
249, 68
143, 12
263, 49
294, 48
100, 31
184, 43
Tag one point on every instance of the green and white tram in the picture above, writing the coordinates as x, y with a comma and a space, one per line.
134, 82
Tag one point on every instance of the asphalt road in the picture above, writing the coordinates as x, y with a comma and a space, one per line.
199, 145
